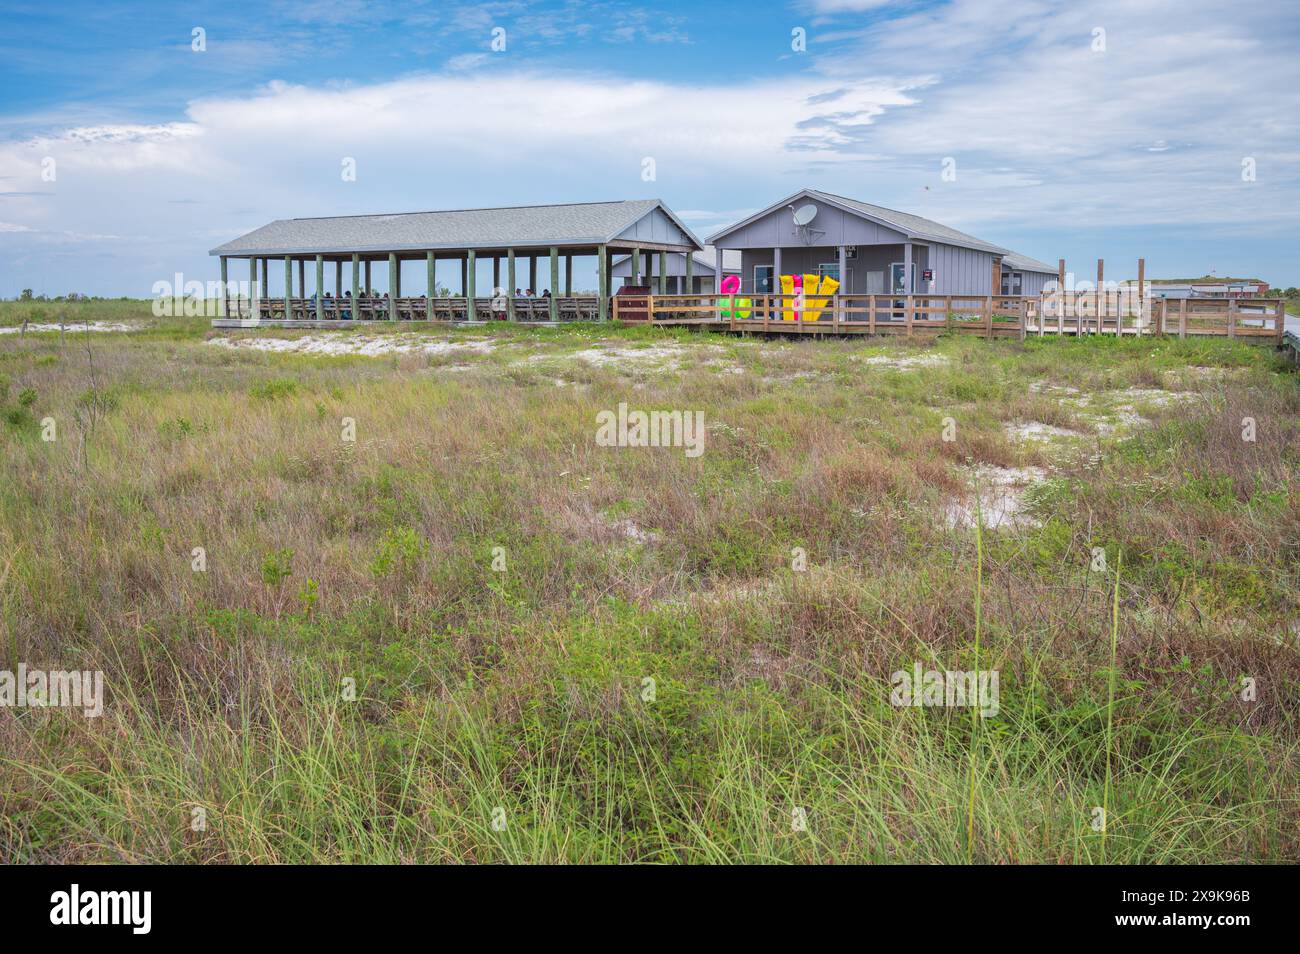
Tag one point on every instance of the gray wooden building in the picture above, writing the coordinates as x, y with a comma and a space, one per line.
450, 247
871, 249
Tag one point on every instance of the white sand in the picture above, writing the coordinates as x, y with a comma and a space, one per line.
72, 326
343, 343
1000, 492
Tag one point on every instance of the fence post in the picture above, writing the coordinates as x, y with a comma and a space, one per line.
1182, 317
988, 317
907, 303
1232, 317
1279, 320
650, 308
1024, 316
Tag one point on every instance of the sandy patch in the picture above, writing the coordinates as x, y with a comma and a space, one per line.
71, 326
1000, 493
904, 361
628, 529
667, 356
344, 343
1037, 431
1114, 412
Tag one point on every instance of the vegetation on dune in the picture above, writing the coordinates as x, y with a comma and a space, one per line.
652, 676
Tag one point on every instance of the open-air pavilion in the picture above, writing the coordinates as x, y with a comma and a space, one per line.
451, 247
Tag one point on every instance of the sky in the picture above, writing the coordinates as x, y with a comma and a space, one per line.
135, 137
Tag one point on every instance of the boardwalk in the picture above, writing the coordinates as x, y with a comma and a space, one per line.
996, 316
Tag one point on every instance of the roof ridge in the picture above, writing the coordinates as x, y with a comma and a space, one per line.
849, 198
484, 208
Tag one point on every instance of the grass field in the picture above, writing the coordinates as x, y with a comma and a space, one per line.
563, 651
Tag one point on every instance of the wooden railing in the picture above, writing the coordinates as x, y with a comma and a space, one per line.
371, 308
990, 316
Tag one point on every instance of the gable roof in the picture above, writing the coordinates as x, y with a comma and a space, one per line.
578, 223
913, 226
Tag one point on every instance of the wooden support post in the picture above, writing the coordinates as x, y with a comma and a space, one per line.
532, 273
1232, 316
471, 285
254, 291
355, 310
288, 288
1100, 273
510, 281
554, 303
636, 266
1182, 317
995, 286
663, 273
689, 266
302, 278
338, 281
224, 311
871, 314
568, 275
602, 282
907, 303
396, 290
842, 264
908, 287
430, 282
1158, 314
392, 283
1060, 306
368, 285
320, 287
496, 274
464, 276
1142, 282
776, 288
717, 276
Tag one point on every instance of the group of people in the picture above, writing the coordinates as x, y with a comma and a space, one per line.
343, 305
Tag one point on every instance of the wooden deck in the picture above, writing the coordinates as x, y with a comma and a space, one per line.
995, 316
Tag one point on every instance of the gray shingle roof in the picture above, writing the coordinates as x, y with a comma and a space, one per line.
1023, 263
914, 225
582, 223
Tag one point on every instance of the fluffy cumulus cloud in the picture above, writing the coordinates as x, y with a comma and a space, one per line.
1055, 118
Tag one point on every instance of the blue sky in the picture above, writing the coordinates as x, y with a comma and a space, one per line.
1082, 130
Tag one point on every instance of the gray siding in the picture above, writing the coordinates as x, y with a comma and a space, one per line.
871, 260
960, 271
656, 227
838, 228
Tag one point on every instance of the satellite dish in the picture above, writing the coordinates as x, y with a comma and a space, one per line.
805, 214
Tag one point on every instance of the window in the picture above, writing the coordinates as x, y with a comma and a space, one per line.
829, 270
763, 279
